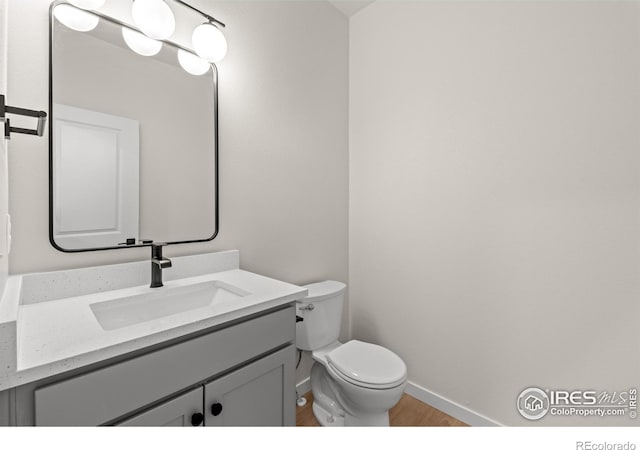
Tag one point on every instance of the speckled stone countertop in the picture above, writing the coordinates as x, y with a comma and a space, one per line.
47, 326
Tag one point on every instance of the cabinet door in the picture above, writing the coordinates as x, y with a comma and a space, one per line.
261, 393
182, 411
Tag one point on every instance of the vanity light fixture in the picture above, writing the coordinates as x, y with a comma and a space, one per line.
156, 22
207, 39
139, 43
154, 18
209, 42
192, 63
74, 18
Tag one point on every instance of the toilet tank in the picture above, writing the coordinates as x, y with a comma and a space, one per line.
321, 311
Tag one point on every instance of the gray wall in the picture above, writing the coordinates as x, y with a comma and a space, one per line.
494, 227
283, 142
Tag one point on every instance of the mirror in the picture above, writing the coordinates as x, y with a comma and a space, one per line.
133, 139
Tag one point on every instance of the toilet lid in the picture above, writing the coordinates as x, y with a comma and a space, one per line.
322, 290
369, 364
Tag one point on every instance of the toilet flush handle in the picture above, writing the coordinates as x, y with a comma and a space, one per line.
308, 307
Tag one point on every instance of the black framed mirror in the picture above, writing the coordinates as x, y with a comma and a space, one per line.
133, 137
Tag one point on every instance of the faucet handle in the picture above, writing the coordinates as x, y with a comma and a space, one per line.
163, 263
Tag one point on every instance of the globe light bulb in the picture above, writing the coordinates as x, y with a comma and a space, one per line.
192, 63
209, 42
87, 4
74, 18
140, 43
154, 18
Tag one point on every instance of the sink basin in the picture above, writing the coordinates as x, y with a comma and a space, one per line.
166, 301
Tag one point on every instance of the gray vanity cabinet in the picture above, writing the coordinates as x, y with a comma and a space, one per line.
255, 395
245, 367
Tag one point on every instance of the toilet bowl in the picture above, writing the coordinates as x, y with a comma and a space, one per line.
353, 383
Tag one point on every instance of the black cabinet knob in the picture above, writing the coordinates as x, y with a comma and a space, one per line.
216, 409
197, 419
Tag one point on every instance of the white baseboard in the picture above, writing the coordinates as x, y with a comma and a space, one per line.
445, 405
449, 407
303, 386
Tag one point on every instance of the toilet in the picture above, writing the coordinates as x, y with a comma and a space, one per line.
355, 383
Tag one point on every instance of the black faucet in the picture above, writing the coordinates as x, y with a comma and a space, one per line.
157, 264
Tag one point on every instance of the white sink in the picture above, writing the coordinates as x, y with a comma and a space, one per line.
162, 302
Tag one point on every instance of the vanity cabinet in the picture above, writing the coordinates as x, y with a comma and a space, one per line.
240, 373
253, 395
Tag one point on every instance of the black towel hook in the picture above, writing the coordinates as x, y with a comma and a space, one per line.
8, 129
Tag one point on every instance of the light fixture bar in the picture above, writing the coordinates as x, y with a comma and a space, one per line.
207, 16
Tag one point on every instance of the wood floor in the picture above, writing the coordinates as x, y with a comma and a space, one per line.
409, 412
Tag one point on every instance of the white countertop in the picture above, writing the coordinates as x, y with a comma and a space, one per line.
56, 336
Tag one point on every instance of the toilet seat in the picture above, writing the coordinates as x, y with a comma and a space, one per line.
367, 365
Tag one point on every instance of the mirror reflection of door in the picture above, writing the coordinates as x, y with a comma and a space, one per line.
96, 188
